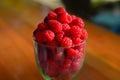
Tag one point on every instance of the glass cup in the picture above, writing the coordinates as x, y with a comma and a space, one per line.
59, 63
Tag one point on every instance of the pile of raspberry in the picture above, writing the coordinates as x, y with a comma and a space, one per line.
60, 29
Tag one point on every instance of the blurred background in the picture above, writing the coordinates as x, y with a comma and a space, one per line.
102, 12
19, 18
105, 13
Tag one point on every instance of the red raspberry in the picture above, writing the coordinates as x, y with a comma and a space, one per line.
75, 31
59, 56
64, 18
41, 26
48, 35
79, 56
84, 34
38, 37
65, 27
59, 36
52, 43
66, 42
76, 40
78, 21
73, 17
80, 47
59, 10
55, 26
52, 15
52, 68
67, 63
69, 18
71, 53
75, 67
65, 67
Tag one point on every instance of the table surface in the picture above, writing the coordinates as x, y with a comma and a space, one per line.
17, 60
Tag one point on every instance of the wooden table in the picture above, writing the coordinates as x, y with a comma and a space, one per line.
17, 60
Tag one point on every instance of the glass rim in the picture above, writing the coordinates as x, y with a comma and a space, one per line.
58, 46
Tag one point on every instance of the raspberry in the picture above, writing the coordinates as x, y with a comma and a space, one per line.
59, 36
78, 21
84, 34
52, 43
65, 27
65, 67
55, 26
79, 55
38, 37
41, 26
75, 31
52, 68
64, 71
75, 67
59, 56
76, 40
66, 42
48, 35
73, 17
80, 47
59, 10
52, 15
64, 18
69, 18
67, 63
71, 53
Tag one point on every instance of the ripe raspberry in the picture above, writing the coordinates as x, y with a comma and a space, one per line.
64, 71
80, 47
52, 15
69, 18
59, 36
79, 56
78, 21
48, 35
76, 40
65, 67
66, 42
71, 53
75, 32
75, 67
84, 34
41, 26
67, 63
52, 68
64, 18
65, 27
52, 43
38, 37
59, 10
59, 56
55, 26
73, 17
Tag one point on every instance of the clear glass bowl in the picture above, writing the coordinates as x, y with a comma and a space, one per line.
59, 63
